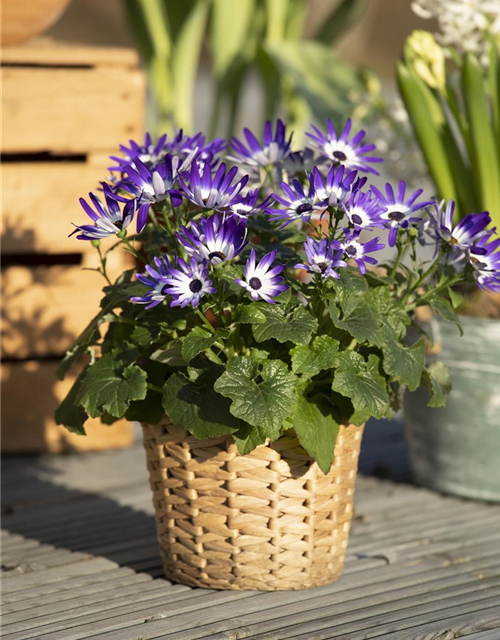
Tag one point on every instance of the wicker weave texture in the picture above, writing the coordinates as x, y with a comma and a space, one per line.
268, 520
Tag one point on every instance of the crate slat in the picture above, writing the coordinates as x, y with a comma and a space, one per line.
40, 201
70, 110
30, 395
46, 307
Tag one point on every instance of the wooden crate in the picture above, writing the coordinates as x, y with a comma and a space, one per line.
65, 110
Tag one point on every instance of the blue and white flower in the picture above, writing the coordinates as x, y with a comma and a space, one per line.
358, 251
148, 153
337, 185
339, 149
219, 239
399, 211
363, 211
109, 219
188, 283
212, 192
297, 204
484, 256
262, 280
247, 206
324, 256
155, 280
272, 150
150, 186
465, 234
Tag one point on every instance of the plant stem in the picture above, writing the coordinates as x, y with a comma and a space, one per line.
103, 263
399, 257
153, 387
133, 250
424, 276
204, 319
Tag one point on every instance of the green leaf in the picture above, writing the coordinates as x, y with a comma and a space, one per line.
69, 413
316, 429
455, 297
483, 138
111, 384
141, 336
357, 317
295, 327
317, 75
199, 339
341, 19
250, 314
197, 407
391, 313
230, 23
262, 394
405, 364
172, 355
149, 410
445, 310
311, 359
418, 99
185, 58
436, 379
362, 383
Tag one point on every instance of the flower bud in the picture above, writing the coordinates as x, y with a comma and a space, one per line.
96, 243
427, 57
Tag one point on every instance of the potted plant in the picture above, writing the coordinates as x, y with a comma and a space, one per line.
450, 85
254, 342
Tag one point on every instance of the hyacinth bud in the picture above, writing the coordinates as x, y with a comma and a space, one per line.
427, 57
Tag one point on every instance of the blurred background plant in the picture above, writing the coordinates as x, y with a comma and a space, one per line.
451, 92
301, 79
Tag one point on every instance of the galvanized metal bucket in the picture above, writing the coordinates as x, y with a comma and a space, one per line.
457, 449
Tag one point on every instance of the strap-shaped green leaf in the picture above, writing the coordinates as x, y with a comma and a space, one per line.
343, 16
230, 24
417, 98
185, 59
483, 137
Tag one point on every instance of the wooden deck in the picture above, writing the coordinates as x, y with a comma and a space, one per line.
80, 560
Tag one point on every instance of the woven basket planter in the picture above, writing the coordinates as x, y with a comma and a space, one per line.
268, 520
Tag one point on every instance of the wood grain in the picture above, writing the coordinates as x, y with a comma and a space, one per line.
70, 110
46, 307
30, 395
40, 203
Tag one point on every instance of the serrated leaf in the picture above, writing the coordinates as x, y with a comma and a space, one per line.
436, 379
197, 407
141, 336
309, 360
69, 413
405, 364
391, 313
262, 394
295, 327
357, 318
250, 314
316, 429
361, 381
455, 297
171, 355
111, 384
445, 310
199, 339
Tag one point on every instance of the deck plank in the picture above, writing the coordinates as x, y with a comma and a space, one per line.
80, 561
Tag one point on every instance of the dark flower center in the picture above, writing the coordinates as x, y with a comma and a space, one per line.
339, 155
217, 254
255, 283
323, 266
303, 208
396, 215
195, 286
351, 251
118, 224
356, 219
